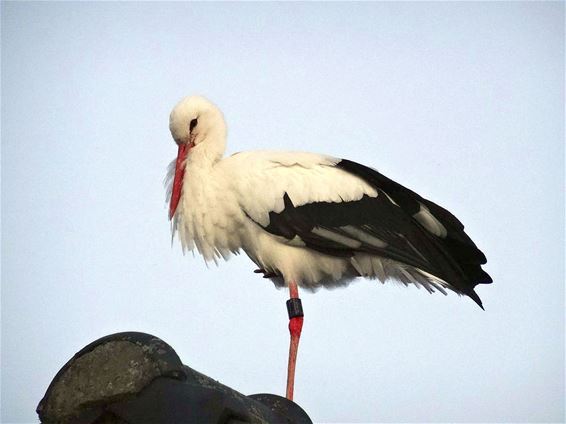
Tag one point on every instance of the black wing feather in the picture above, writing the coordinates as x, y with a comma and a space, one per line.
456, 244
453, 258
459, 242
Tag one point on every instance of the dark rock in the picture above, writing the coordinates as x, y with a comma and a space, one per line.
137, 378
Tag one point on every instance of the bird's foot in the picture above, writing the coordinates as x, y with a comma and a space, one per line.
266, 274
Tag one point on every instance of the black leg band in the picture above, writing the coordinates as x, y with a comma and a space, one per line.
295, 308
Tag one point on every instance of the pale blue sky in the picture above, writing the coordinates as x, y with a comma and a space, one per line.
462, 102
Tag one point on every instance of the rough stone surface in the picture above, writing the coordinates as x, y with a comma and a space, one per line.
111, 370
133, 377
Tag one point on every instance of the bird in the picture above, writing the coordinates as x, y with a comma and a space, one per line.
308, 220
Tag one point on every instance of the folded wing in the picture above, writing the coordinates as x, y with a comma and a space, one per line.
389, 221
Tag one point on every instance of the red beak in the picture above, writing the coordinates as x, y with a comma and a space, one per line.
179, 174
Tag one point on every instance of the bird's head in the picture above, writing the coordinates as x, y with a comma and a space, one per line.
194, 119
195, 123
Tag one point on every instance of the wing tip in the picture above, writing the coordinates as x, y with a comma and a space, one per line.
474, 296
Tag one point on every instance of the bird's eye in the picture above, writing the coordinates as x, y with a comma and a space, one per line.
193, 124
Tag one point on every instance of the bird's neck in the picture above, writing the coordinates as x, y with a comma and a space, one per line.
208, 152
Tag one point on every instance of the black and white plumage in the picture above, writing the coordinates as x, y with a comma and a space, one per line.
312, 219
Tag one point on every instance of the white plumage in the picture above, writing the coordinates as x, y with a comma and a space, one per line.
219, 198
223, 205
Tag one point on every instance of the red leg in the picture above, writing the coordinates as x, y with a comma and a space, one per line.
295, 327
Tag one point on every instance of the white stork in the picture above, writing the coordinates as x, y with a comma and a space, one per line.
309, 220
